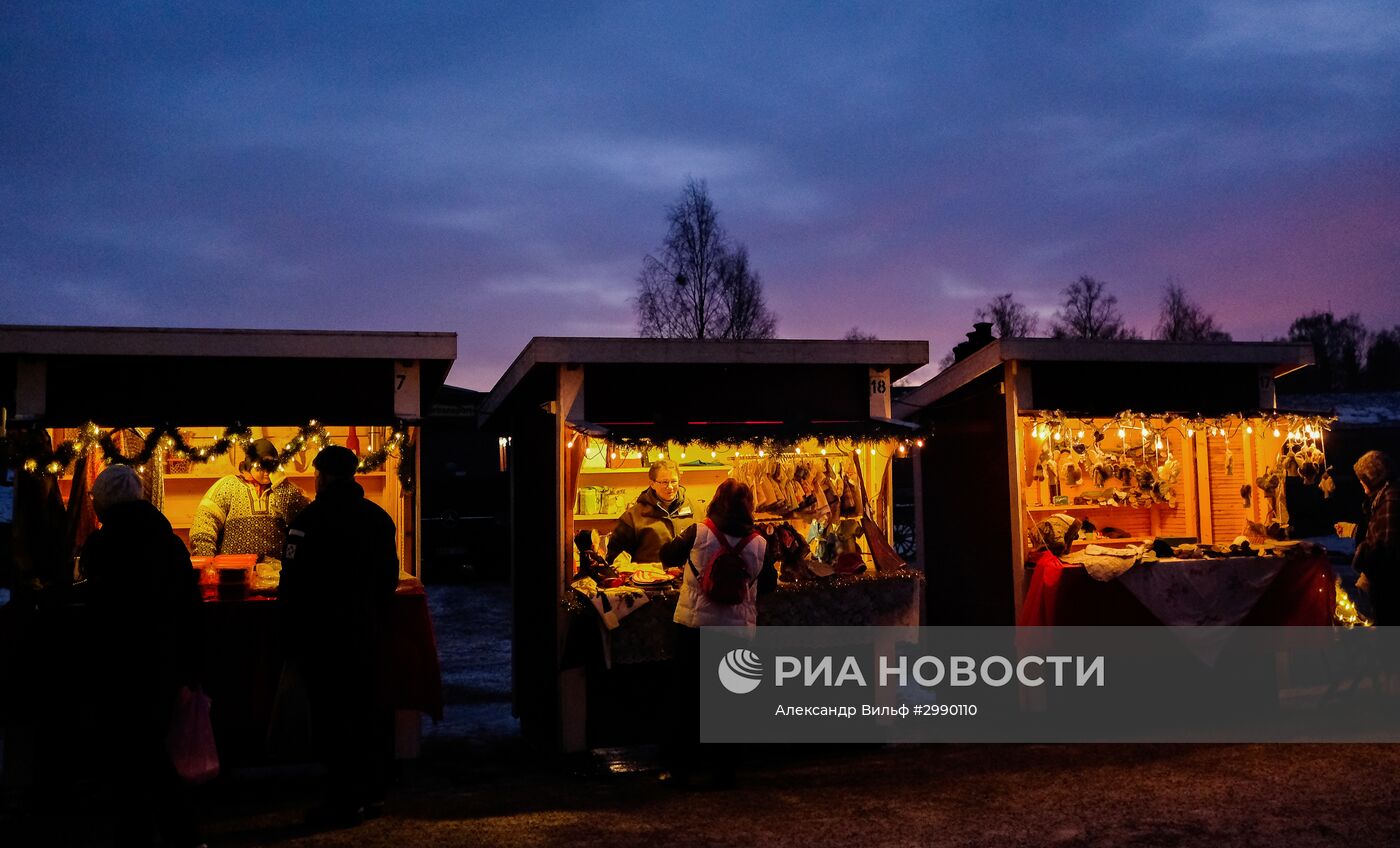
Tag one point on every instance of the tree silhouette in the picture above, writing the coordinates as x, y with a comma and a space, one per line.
1185, 321
1009, 319
1383, 360
1089, 312
1337, 345
698, 286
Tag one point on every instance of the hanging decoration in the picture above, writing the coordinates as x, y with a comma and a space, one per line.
1140, 453
168, 439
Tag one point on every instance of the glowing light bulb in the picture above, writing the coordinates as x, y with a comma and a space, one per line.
1144, 432
682, 454
1190, 432
613, 455
1249, 430
1079, 435
1057, 435
857, 451
1275, 432
1157, 445
919, 442
901, 450
799, 450
823, 451
712, 454
760, 452
1122, 433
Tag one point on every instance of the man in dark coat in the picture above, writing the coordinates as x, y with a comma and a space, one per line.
339, 572
144, 597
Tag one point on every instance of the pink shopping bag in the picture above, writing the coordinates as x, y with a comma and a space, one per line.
190, 741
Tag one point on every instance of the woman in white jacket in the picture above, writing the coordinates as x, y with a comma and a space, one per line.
729, 517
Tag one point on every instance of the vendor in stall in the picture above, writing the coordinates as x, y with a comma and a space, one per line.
661, 513
247, 513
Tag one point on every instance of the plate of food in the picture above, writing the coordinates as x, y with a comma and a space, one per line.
646, 577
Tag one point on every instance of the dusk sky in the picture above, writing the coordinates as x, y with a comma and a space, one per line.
501, 169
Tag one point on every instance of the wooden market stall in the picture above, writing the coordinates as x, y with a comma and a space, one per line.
1177, 445
581, 420
186, 402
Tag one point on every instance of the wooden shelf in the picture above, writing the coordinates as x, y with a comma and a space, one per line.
597, 517
1084, 507
685, 469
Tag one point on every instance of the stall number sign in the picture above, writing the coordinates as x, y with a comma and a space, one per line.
406, 399
879, 393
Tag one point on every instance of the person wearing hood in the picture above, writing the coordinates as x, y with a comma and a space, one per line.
661, 513
247, 512
144, 596
340, 569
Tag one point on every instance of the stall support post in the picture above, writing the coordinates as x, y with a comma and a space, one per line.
1016, 388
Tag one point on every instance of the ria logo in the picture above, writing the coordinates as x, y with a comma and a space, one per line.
740, 671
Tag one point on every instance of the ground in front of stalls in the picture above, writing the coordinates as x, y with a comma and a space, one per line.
477, 784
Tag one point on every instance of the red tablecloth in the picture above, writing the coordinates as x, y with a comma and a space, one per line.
1301, 594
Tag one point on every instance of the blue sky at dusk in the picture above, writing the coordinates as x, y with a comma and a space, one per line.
500, 169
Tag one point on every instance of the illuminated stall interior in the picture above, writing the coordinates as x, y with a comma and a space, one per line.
180, 405
1134, 477
793, 482
1144, 439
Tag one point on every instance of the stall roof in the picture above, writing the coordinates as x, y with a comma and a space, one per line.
1279, 357
195, 376
901, 357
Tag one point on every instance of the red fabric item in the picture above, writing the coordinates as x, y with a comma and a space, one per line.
1060, 593
413, 674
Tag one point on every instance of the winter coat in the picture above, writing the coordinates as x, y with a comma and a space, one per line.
693, 608
647, 525
1378, 552
144, 596
340, 568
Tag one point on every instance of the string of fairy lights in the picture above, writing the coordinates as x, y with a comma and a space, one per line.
1058, 428
647, 450
168, 440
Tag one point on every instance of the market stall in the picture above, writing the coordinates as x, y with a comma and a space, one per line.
1156, 471
184, 407
582, 421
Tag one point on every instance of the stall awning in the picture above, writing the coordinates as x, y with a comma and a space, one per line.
1104, 377
202, 377
712, 390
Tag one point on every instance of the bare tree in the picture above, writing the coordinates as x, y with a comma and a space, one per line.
856, 334
697, 286
746, 315
1089, 312
1337, 343
1182, 320
1383, 360
1008, 318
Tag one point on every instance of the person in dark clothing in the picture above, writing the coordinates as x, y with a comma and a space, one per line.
144, 597
1377, 557
339, 572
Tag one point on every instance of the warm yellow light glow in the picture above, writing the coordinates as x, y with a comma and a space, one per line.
1122, 433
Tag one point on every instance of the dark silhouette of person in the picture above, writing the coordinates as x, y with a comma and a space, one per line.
144, 597
340, 568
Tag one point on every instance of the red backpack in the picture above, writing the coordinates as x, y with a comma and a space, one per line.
726, 578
